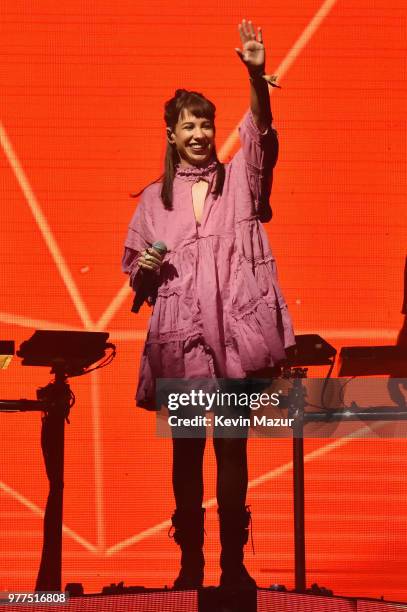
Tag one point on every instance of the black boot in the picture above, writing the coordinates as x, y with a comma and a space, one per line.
189, 534
234, 533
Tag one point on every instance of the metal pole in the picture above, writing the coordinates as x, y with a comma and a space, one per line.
299, 513
52, 443
296, 408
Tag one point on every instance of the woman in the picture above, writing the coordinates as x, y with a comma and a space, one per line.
218, 308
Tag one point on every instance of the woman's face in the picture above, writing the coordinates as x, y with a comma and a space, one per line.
194, 138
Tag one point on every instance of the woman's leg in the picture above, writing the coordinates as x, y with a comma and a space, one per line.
234, 516
187, 471
188, 518
232, 474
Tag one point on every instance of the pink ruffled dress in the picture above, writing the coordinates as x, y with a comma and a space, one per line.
219, 311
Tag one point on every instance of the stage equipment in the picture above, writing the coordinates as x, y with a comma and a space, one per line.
6, 353
68, 354
296, 401
210, 600
77, 349
373, 360
309, 349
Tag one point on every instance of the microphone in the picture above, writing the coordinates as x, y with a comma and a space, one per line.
160, 246
149, 284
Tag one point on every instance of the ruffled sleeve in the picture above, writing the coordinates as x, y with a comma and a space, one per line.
139, 237
259, 150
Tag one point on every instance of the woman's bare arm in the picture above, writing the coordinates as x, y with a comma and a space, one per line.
253, 57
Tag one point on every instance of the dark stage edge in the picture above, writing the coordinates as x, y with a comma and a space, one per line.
208, 601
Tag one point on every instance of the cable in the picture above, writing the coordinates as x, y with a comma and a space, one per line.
102, 364
324, 386
341, 398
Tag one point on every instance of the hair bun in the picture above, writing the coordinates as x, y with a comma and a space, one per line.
180, 92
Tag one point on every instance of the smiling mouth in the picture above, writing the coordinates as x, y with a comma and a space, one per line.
199, 149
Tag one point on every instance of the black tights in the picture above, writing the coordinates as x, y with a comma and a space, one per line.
187, 472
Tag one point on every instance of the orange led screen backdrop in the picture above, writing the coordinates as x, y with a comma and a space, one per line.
83, 85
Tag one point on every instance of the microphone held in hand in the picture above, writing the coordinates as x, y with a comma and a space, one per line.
161, 247
149, 284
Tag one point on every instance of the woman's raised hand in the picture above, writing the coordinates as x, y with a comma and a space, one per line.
150, 259
252, 53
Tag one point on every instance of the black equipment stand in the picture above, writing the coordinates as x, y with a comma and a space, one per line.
296, 410
54, 400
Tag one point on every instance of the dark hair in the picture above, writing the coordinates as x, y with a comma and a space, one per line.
199, 106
